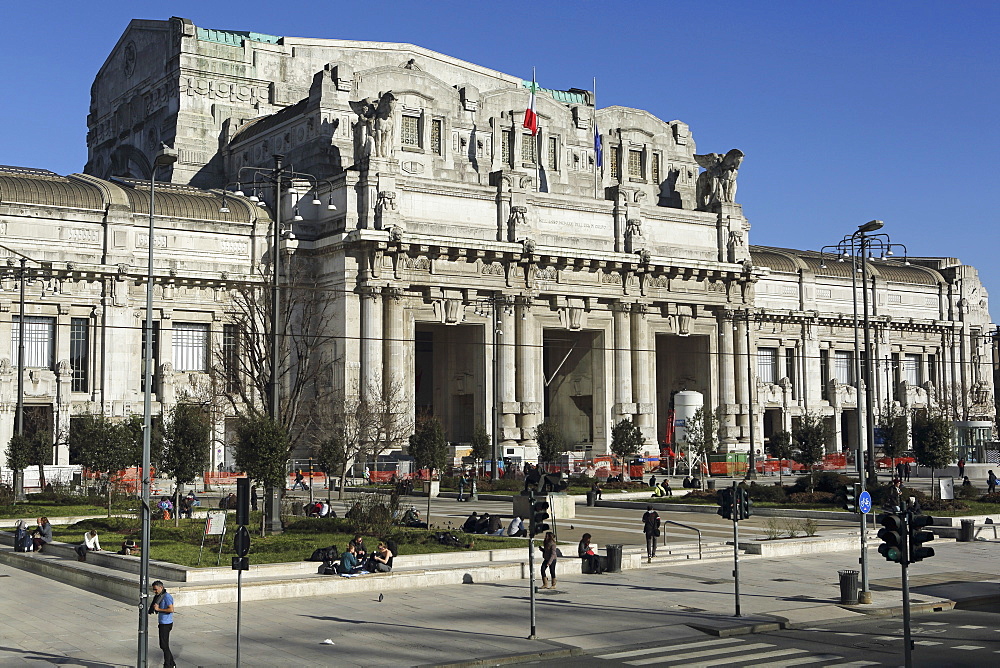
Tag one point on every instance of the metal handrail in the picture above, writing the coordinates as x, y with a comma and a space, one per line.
684, 526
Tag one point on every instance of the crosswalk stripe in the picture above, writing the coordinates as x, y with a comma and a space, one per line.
971, 627
741, 658
934, 623
715, 651
798, 661
653, 650
968, 647
928, 643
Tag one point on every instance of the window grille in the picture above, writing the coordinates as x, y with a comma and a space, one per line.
39, 341
410, 135
506, 148
79, 354
767, 365
844, 367
190, 346
656, 168
553, 153
635, 164
528, 148
436, 136
616, 172
791, 370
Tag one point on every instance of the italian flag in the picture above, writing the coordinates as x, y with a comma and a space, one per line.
530, 119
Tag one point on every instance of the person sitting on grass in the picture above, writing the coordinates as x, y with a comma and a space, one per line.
91, 543
129, 548
412, 519
349, 561
495, 527
471, 523
358, 543
165, 507
516, 528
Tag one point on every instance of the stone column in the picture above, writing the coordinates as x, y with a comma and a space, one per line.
624, 406
529, 371
371, 345
642, 387
742, 379
396, 356
506, 368
727, 380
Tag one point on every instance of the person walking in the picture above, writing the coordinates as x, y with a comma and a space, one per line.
961, 468
651, 527
462, 481
254, 498
163, 606
300, 480
549, 556
906, 471
991, 482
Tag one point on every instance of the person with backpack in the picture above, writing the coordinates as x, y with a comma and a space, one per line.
651, 528
163, 606
991, 482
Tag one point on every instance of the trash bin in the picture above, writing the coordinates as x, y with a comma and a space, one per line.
848, 587
968, 531
591, 498
614, 558
711, 484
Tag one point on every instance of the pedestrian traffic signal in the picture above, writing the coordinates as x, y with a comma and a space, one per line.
917, 538
744, 503
892, 535
539, 513
851, 494
726, 503
242, 501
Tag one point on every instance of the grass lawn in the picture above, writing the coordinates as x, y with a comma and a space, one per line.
180, 545
32, 509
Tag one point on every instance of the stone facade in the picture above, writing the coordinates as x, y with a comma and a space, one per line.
476, 266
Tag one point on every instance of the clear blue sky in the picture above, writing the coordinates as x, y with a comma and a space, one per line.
847, 111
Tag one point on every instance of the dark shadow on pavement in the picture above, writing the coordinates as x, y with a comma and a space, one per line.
57, 659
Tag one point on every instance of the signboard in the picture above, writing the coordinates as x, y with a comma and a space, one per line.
947, 487
215, 525
865, 502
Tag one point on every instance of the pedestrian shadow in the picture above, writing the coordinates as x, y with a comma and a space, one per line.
57, 659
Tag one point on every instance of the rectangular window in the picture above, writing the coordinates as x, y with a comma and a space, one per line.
79, 354
528, 149
791, 370
506, 147
932, 368
436, 136
635, 164
553, 153
410, 134
616, 172
656, 169
767, 365
155, 356
190, 346
231, 356
824, 373
911, 369
844, 367
39, 341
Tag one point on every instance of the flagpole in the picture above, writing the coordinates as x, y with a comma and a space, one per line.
597, 160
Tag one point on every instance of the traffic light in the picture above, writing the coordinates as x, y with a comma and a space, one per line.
918, 538
726, 503
851, 493
744, 502
892, 536
242, 501
539, 513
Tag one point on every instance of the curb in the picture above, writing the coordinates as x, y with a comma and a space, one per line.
511, 658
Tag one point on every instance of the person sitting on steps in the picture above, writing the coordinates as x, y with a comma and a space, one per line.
587, 552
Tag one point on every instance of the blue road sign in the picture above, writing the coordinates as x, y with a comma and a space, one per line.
865, 502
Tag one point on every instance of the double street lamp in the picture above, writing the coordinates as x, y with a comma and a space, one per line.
494, 305
859, 247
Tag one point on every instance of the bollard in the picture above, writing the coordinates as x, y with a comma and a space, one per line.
711, 484
848, 587
591, 499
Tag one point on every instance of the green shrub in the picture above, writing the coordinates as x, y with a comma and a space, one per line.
768, 493
826, 481
990, 498
814, 498
501, 485
971, 493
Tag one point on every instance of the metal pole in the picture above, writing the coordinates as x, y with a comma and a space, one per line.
147, 424
753, 456
310, 481
496, 383
907, 517
869, 408
273, 522
736, 547
19, 475
239, 611
866, 596
531, 576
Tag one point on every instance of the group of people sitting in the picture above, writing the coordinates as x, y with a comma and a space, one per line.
319, 509
356, 559
691, 483
661, 488
492, 525
32, 540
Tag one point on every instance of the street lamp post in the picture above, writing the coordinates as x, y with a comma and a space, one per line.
276, 177
165, 157
495, 304
19, 410
858, 246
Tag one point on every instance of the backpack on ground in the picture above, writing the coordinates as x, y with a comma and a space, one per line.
22, 541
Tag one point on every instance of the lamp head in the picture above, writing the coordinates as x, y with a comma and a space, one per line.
871, 226
165, 156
